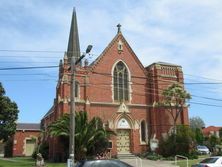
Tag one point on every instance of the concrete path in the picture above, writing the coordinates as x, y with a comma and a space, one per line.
149, 163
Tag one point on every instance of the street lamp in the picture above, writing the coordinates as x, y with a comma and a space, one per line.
72, 107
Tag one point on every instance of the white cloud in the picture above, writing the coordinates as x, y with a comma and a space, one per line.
184, 32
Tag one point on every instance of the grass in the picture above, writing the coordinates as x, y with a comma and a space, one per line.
183, 163
25, 162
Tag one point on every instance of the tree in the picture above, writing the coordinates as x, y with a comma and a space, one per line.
196, 122
220, 133
8, 116
183, 145
199, 136
174, 101
90, 136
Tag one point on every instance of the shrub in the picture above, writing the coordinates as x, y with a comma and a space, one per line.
151, 155
43, 149
180, 143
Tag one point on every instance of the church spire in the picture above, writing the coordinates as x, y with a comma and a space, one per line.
73, 45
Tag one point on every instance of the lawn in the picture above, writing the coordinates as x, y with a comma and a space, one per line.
183, 163
25, 162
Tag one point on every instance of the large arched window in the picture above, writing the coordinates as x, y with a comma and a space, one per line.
121, 82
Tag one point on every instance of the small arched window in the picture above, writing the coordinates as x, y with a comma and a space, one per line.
76, 89
143, 131
121, 82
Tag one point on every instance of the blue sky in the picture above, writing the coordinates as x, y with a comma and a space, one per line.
184, 32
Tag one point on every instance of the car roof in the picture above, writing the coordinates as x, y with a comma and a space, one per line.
99, 162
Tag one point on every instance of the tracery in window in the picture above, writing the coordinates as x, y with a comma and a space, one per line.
121, 82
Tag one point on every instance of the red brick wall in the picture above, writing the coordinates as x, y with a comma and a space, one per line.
19, 141
96, 96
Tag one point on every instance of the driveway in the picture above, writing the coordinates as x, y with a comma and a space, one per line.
149, 163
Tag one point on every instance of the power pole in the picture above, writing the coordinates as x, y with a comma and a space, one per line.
72, 114
72, 106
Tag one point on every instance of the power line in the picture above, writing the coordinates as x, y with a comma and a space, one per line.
27, 80
205, 104
198, 76
4, 62
203, 83
158, 89
35, 74
28, 51
160, 95
27, 68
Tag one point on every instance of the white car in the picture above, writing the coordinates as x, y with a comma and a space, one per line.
211, 162
203, 150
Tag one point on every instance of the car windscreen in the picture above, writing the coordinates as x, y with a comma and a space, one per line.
201, 147
209, 160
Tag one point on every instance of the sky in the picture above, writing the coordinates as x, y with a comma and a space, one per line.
183, 32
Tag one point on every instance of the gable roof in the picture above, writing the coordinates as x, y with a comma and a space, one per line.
28, 126
119, 34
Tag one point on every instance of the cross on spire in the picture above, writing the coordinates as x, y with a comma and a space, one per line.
119, 28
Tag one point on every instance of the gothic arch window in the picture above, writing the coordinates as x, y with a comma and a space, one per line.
77, 88
143, 133
121, 82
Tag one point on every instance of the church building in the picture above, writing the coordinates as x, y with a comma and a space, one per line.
117, 88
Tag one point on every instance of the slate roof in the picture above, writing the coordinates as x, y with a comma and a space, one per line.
28, 126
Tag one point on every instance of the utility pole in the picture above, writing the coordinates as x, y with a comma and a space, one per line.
72, 107
72, 114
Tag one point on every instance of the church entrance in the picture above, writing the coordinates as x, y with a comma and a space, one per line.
123, 141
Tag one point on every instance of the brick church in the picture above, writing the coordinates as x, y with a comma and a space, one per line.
120, 90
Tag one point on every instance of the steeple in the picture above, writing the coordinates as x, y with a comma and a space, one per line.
73, 45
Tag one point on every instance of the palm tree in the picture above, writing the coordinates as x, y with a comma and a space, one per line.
88, 134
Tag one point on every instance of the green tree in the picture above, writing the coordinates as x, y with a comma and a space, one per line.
199, 136
211, 142
174, 101
8, 116
220, 133
196, 122
184, 144
90, 136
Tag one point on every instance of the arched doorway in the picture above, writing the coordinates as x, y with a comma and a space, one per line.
123, 136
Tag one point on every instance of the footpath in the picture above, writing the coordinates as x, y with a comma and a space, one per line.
149, 163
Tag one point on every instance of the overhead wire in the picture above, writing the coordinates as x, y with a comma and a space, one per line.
160, 95
44, 51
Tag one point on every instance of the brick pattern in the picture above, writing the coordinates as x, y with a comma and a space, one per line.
19, 141
96, 95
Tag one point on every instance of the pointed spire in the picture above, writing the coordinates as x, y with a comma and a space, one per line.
73, 45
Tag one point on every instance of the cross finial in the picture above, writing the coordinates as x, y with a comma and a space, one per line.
119, 28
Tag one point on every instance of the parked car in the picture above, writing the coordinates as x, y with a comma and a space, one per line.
203, 150
210, 162
102, 163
